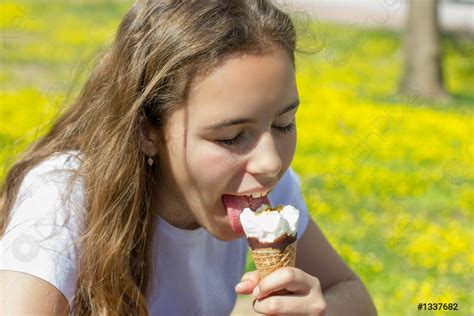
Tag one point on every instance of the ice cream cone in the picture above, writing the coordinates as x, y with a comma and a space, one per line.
268, 260
271, 234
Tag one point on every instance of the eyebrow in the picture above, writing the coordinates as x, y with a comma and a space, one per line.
231, 122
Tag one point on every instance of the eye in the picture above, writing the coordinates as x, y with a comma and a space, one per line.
237, 139
285, 129
232, 141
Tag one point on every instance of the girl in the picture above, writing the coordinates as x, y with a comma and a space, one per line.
129, 205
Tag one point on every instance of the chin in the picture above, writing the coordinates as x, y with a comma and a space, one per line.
222, 231
228, 237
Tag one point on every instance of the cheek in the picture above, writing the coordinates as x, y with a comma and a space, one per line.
287, 151
212, 167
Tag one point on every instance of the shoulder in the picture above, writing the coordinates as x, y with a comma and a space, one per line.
287, 188
47, 197
288, 192
42, 235
56, 165
48, 180
284, 188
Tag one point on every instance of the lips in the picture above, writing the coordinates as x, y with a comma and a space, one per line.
235, 205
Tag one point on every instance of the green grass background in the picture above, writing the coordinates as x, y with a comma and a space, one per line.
389, 179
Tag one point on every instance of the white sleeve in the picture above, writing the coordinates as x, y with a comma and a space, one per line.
297, 201
41, 236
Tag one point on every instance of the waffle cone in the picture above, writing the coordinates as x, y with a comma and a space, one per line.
268, 260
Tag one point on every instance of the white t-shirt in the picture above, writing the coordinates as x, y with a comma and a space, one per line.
193, 273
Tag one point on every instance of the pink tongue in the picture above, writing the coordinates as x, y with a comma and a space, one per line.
235, 205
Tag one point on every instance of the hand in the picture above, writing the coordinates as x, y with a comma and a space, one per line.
286, 291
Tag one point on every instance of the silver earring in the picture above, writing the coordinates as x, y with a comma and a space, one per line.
150, 161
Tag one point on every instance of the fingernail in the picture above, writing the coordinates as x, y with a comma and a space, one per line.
242, 285
256, 291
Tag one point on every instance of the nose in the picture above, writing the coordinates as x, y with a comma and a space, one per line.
265, 158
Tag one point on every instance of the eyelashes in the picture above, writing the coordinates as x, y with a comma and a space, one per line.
237, 139
285, 129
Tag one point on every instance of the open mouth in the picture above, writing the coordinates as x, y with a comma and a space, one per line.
235, 205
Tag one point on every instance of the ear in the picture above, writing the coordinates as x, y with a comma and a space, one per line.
150, 138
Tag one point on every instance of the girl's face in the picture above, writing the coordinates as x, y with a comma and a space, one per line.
236, 136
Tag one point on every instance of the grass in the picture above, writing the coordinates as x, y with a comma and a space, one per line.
389, 179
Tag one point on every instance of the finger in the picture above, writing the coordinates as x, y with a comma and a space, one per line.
291, 305
251, 275
248, 282
291, 279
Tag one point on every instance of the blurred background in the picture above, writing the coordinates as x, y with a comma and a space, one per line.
385, 132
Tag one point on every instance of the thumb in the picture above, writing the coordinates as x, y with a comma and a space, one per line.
248, 282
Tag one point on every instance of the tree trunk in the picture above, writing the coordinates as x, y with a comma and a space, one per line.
423, 75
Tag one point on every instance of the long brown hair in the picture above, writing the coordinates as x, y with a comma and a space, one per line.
159, 49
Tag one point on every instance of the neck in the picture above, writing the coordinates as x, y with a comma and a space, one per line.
169, 205
174, 212
179, 221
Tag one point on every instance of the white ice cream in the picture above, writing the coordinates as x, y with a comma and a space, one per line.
267, 225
